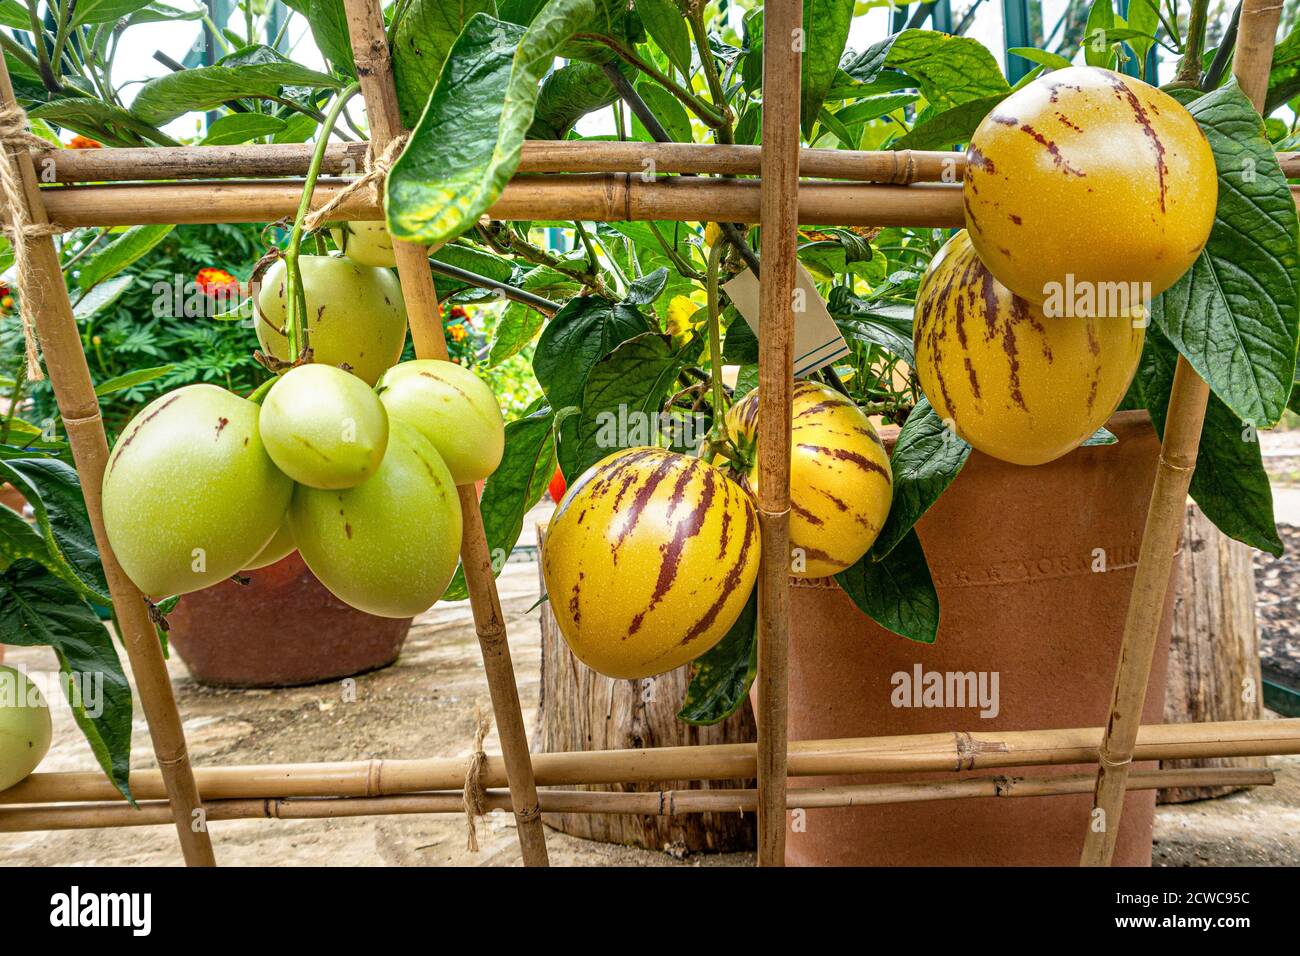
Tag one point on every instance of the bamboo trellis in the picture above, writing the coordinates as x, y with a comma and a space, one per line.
603, 182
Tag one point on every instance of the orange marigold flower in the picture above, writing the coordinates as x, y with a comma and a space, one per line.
7, 302
84, 142
457, 333
212, 281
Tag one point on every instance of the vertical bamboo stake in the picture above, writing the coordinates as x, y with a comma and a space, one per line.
782, 43
1187, 401
374, 70
73, 390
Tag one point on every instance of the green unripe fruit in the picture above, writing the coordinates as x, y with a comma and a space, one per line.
388, 546
25, 727
323, 427
355, 314
365, 242
190, 494
452, 408
278, 548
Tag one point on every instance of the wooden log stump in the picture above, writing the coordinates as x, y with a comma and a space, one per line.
1214, 651
582, 710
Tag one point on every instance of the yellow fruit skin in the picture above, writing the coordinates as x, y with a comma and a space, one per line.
355, 314
25, 727
366, 242
648, 561
841, 485
1018, 385
1092, 173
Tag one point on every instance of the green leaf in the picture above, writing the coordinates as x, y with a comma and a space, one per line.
1284, 75
1229, 483
1053, 61
926, 459
624, 394
120, 383
569, 94
897, 593
53, 490
1235, 313
667, 27
517, 327
101, 297
873, 107
667, 109
577, 337
949, 127
513, 489
722, 675
14, 16
1144, 21
826, 31
38, 609
1096, 44
1100, 437
329, 28
648, 252
467, 143
884, 323
103, 11
235, 128
107, 124
739, 343
949, 70
254, 72
298, 128
120, 253
424, 37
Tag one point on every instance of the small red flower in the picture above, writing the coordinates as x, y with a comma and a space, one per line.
84, 142
217, 281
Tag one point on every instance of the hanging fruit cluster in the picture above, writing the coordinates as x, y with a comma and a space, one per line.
1087, 193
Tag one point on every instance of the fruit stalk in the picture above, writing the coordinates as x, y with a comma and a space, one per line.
295, 297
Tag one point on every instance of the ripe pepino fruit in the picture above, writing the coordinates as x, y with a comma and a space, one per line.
323, 427
1017, 384
365, 242
649, 560
454, 409
355, 314
25, 727
190, 494
1086, 177
388, 546
841, 485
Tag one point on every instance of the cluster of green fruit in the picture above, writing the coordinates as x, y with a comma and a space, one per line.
361, 480
1087, 192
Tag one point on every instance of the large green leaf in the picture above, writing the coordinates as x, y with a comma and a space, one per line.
667, 109
104, 11
329, 28
826, 30
138, 376
127, 248
103, 122
927, 457
1235, 314
948, 127
38, 609
667, 27
15, 16
1229, 482
722, 675
468, 140
577, 337
897, 592
883, 323
53, 490
235, 128
627, 387
517, 327
424, 37
1096, 48
949, 70
252, 72
511, 491
569, 94
103, 296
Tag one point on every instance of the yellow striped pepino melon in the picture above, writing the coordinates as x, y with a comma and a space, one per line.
648, 561
1016, 383
1087, 177
841, 485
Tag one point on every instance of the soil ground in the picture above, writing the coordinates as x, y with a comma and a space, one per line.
424, 705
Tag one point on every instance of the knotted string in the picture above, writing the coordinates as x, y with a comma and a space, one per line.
371, 180
475, 795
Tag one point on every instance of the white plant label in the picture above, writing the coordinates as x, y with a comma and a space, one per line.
817, 340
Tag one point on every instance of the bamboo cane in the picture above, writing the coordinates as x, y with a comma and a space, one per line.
375, 71
590, 197
922, 753
79, 409
653, 803
782, 43
1186, 415
901, 167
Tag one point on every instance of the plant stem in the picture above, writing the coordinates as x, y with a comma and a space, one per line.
507, 243
1223, 54
695, 17
19, 52
259, 393
15, 399
85, 249
48, 76
295, 297
692, 102
718, 437
1189, 67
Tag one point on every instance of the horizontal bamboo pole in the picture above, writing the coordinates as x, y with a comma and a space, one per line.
539, 156
653, 803
601, 197
959, 751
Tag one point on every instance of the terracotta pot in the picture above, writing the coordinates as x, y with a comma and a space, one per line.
282, 628
1011, 550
